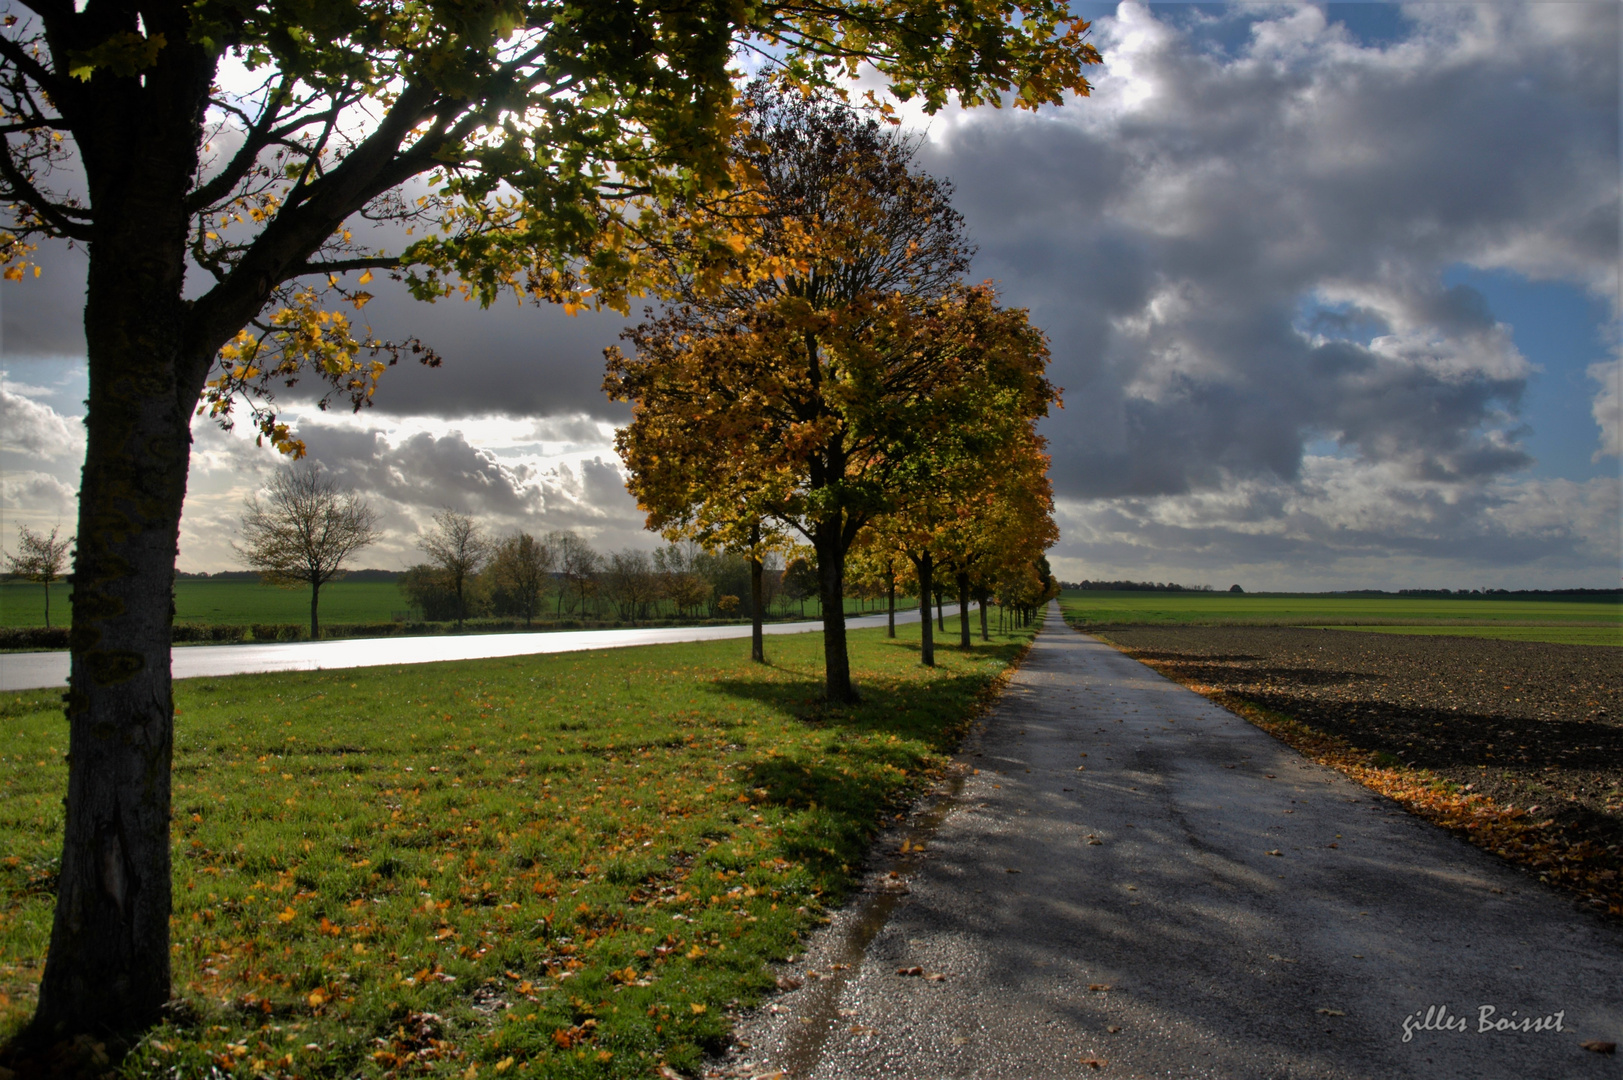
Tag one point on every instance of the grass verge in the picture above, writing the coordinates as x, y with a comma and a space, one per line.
1576, 864
568, 865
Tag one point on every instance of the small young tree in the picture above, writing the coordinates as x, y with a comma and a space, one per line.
40, 558
521, 570
459, 547
303, 530
800, 580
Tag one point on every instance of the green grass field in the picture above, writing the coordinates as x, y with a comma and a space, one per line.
576, 863
241, 603
231, 602
1586, 622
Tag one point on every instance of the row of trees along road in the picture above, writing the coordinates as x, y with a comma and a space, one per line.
302, 529
836, 379
527, 576
528, 145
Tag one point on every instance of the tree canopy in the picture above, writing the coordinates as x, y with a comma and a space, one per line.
856, 372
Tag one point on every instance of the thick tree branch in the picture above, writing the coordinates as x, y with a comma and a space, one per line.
344, 266
282, 250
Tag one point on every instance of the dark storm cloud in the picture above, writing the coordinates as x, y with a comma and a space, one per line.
44, 316
519, 360
425, 471
1169, 232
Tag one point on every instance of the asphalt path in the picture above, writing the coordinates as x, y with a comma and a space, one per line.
1196, 901
31, 671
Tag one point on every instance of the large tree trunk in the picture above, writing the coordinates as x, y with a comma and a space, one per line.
826, 541
107, 971
926, 569
963, 610
757, 591
315, 618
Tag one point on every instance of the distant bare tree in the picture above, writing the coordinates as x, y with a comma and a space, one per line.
303, 530
40, 558
679, 579
632, 583
578, 563
459, 547
522, 570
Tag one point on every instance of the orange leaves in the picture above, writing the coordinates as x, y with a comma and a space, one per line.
571, 1037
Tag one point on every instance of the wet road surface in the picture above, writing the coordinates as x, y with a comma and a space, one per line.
1196, 901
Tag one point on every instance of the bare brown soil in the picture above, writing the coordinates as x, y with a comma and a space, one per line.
1532, 726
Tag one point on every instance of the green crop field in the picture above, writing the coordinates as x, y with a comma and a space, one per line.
570, 865
1583, 621
234, 602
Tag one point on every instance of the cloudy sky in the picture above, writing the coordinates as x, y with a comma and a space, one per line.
1333, 292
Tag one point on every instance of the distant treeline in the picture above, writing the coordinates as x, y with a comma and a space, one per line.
254, 575
1499, 594
1135, 586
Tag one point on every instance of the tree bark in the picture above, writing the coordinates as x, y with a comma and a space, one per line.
826, 540
984, 635
315, 618
963, 611
890, 611
108, 968
926, 569
757, 591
